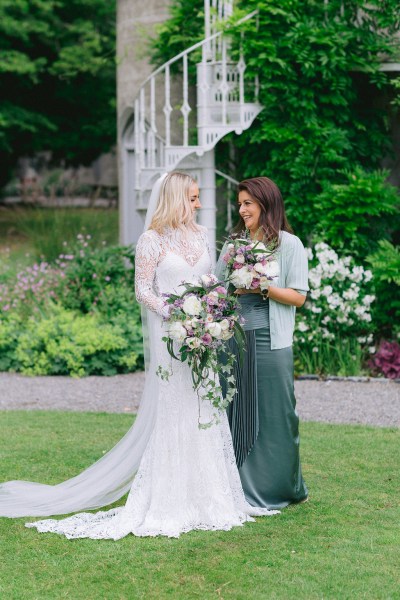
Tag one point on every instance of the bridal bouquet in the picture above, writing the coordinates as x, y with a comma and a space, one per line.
200, 322
250, 264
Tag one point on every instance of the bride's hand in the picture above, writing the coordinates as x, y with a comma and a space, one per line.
166, 311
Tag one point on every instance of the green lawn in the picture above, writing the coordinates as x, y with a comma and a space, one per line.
342, 544
30, 233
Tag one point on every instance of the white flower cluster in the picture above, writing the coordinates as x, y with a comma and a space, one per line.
250, 265
339, 302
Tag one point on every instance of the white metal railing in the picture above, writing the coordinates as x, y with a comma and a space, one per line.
220, 100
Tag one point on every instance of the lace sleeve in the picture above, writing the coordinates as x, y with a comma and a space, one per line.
206, 241
147, 256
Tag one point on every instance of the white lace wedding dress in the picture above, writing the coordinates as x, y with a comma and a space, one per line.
187, 478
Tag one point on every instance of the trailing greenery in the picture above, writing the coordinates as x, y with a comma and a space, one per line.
57, 76
351, 522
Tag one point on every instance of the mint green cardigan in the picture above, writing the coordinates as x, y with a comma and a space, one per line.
293, 273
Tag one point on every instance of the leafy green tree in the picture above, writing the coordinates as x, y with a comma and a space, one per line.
57, 78
318, 65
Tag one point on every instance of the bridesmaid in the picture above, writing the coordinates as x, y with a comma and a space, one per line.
262, 416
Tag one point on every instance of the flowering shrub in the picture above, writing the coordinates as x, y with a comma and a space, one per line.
88, 272
78, 279
42, 305
387, 360
30, 290
337, 313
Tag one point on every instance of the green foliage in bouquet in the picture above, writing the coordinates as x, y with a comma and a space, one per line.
202, 318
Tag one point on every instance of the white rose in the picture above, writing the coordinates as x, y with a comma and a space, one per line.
241, 278
230, 247
224, 324
239, 258
191, 323
193, 342
208, 280
272, 269
192, 306
214, 329
177, 331
260, 268
226, 334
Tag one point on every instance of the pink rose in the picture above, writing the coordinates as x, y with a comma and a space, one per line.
207, 339
221, 290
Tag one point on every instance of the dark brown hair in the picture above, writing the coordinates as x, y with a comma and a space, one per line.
268, 196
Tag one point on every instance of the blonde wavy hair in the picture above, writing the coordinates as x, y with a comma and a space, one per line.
173, 208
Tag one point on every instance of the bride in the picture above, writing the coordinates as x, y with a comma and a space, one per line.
180, 477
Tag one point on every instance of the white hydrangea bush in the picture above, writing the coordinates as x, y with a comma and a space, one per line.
338, 304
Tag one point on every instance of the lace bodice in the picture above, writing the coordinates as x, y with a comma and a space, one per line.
164, 261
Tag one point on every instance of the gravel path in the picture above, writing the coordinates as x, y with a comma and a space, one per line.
369, 403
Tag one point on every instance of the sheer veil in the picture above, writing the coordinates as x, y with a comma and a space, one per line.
111, 476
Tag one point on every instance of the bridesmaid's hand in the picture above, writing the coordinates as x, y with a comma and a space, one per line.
241, 291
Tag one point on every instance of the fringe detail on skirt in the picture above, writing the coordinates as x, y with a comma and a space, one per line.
243, 410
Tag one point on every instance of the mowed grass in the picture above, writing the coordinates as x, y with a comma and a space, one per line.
344, 543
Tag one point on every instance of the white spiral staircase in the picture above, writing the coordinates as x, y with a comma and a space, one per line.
178, 122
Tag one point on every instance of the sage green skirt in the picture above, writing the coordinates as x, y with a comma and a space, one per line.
263, 418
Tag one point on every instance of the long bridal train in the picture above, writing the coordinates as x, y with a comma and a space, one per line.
180, 477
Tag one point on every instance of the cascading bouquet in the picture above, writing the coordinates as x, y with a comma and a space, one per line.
200, 322
250, 264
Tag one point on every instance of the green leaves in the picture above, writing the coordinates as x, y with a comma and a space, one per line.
57, 74
318, 65
385, 262
350, 214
